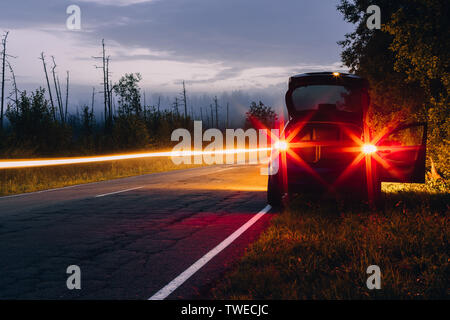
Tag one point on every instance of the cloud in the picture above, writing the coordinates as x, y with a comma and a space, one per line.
252, 32
213, 45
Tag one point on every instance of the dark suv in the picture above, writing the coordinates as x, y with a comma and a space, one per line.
326, 146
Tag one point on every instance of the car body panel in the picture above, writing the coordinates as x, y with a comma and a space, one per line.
404, 154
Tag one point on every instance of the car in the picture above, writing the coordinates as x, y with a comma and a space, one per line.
327, 147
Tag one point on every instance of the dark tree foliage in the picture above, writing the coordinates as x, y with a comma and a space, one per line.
262, 114
160, 124
421, 33
129, 95
87, 122
129, 130
87, 129
34, 131
366, 52
406, 63
33, 126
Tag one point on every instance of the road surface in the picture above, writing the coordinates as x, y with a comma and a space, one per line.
130, 237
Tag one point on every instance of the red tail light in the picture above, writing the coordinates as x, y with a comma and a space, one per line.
281, 145
369, 149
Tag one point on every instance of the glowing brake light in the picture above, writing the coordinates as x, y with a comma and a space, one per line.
281, 145
369, 149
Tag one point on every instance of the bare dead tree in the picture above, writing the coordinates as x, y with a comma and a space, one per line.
58, 90
216, 103
228, 106
60, 100
15, 91
105, 83
145, 105
4, 41
67, 96
110, 100
185, 102
143, 96
107, 92
175, 106
114, 106
109, 89
201, 114
93, 100
212, 116
159, 103
48, 85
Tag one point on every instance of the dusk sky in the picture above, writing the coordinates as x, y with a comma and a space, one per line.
215, 46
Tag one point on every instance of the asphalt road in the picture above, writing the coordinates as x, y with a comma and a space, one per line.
130, 237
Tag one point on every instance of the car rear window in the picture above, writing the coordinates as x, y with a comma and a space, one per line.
327, 97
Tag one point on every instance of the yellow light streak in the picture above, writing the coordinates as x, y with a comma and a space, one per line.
11, 164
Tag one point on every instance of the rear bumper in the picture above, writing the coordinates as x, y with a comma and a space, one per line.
324, 179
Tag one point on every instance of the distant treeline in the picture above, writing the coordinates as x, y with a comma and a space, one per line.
36, 128
38, 123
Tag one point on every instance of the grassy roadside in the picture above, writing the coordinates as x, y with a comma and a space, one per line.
321, 250
13, 181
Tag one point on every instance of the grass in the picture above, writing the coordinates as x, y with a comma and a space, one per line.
320, 249
13, 181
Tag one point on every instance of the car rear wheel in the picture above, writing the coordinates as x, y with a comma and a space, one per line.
274, 193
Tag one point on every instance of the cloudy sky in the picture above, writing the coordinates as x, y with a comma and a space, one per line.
214, 45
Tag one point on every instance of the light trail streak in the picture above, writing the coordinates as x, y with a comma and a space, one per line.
28, 163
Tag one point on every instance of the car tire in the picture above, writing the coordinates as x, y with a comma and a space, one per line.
376, 200
274, 193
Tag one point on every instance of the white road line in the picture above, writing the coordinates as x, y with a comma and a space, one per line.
42, 191
67, 187
178, 281
108, 194
103, 182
